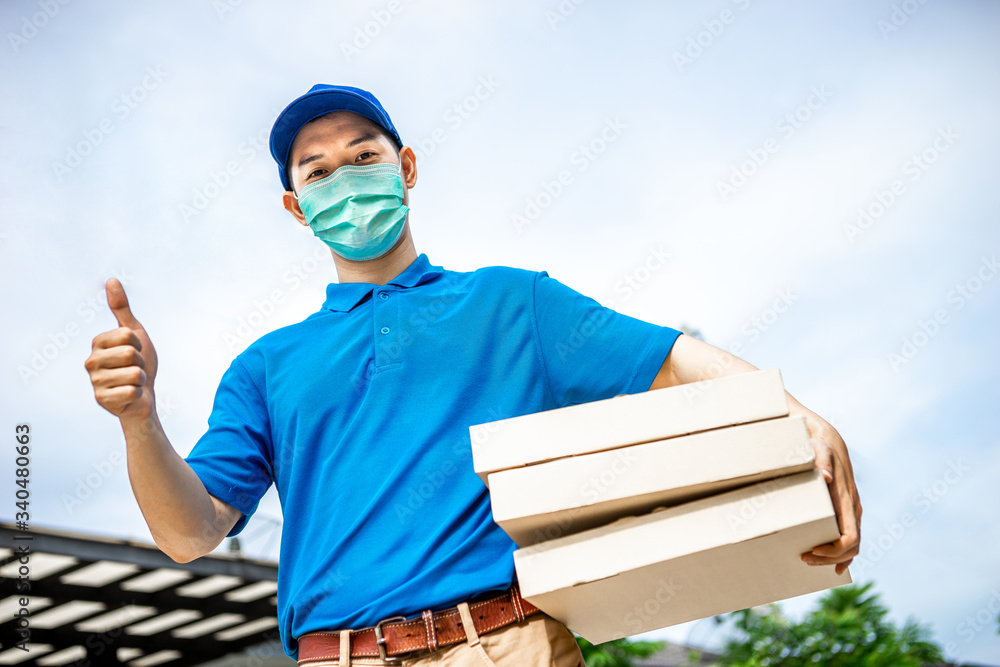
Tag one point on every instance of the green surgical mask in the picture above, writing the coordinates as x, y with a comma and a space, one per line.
357, 210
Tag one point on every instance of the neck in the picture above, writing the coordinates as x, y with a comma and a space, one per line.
380, 270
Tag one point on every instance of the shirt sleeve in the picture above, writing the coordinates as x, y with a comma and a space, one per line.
233, 458
591, 352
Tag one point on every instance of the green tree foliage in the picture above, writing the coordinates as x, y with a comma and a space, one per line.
617, 653
849, 628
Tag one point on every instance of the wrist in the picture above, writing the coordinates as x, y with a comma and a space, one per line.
141, 424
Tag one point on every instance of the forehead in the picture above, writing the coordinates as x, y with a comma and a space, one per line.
336, 127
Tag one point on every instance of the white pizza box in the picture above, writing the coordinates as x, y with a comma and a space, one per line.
557, 498
711, 556
626, 420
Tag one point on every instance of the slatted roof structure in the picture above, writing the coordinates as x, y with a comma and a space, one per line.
97, 600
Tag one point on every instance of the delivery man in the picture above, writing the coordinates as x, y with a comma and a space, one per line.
359, 414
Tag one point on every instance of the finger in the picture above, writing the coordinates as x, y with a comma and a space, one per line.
118, 303
843, 501
848, 543
824, 460
813, 559
120, 356
837, 548
850, 535
841, 567
118, 377
116, 337
834, 551
850, 531
117, 399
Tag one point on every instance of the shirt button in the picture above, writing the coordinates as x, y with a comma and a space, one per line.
383, 296
384, 330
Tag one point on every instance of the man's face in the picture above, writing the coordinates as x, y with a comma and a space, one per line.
331, 141
339, 138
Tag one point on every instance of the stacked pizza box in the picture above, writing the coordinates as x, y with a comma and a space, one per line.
646, 510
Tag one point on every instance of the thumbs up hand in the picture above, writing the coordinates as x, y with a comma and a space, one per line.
122, 362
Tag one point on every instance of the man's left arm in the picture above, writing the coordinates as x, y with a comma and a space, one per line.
692, 360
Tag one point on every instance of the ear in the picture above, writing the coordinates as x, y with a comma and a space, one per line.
408, 162
291, 205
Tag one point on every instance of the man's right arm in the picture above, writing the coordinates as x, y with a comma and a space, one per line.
186, 522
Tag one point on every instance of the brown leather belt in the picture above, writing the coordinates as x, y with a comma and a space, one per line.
431, 631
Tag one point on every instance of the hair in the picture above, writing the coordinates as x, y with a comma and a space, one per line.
381, 130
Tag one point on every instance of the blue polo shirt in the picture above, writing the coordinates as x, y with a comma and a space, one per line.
359, 414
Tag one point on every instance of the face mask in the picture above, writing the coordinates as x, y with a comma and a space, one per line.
357, 210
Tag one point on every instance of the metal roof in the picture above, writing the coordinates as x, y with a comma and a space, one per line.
103, 600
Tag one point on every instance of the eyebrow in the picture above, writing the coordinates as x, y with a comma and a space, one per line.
351, 144
362, 139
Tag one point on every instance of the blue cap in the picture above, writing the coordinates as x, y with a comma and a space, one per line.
322, 99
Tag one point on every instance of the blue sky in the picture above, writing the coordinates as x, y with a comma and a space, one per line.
741, 139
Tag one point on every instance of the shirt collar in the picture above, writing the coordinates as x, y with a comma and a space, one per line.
343, 297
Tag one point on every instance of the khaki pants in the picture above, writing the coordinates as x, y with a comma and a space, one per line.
538, 641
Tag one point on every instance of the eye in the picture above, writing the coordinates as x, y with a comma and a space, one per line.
365, 155
314, 172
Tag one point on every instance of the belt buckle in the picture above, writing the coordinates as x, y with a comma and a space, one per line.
380, 640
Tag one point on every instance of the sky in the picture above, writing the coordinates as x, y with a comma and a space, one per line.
809, 185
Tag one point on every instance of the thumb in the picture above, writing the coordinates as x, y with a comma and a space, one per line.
118, 303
